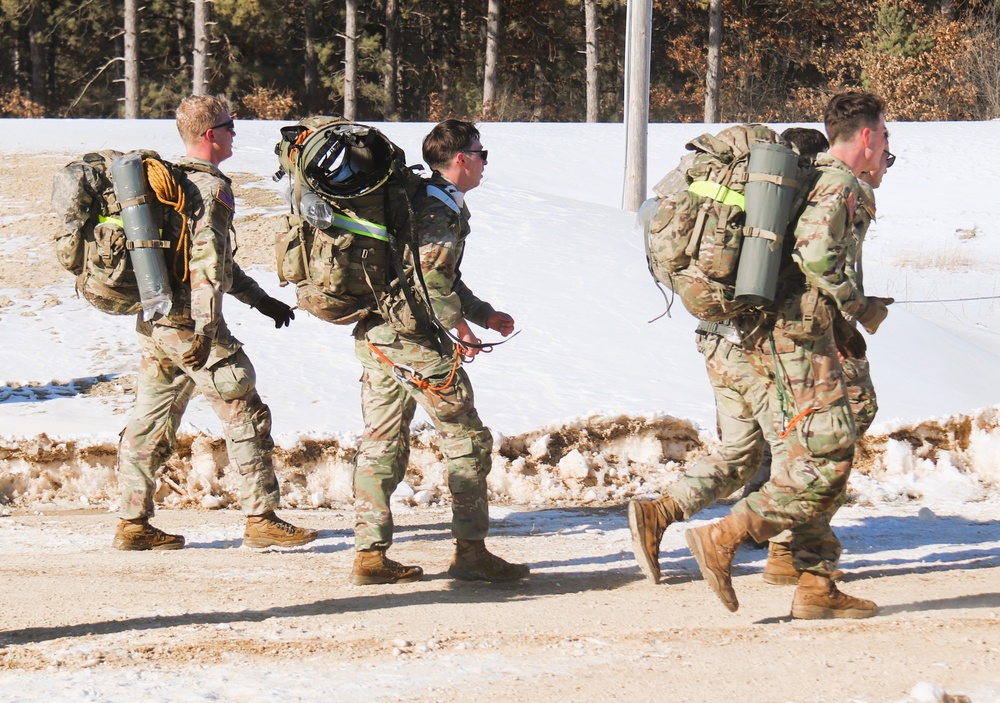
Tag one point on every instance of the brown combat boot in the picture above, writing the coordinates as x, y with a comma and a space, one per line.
714, 547
371, 566
648, 521
269, 530
138, 535
817, 598
473, 562
779, 570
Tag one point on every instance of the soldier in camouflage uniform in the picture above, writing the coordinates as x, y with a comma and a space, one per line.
806, 416
404, 366
192, 350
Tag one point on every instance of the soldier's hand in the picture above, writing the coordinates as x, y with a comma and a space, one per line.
197, 355
276, 310
500, 322
875, 313
850, 343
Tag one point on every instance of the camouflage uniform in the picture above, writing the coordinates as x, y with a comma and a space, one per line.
799, 362
388, 402
227, 379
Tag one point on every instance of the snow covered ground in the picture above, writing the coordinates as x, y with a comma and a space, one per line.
591, 403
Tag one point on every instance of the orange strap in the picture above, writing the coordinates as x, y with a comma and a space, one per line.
795, 421
406, 374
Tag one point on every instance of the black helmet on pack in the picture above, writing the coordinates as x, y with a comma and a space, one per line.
339, 160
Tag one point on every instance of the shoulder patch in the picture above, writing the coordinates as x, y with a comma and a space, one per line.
449, 196
852, 205
224, 197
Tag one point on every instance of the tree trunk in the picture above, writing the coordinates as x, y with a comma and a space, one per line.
309, 71
593, 74
391, 58
351, 60
36, 47
492, 51
180, 22
714, 55
200, 63
131, 60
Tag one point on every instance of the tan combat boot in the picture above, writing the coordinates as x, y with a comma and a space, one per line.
138, 535
779, 570
269, 530
371, 566
817, 598
647, 521
473, 562
714, 547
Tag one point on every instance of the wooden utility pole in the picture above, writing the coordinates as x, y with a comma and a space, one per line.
637, 47
131, 60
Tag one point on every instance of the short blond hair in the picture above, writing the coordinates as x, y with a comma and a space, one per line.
197, 113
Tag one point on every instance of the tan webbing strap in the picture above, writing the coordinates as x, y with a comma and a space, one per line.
147, 243
137, 200
699, 226
770, 178
763, 234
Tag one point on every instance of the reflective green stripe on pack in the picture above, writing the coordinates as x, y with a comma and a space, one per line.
118, 221
717, 191
112, 220
362, 227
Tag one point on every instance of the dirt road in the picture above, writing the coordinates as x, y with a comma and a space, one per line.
223, 622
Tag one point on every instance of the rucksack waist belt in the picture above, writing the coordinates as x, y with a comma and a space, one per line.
717, 191
727, 332
362, 227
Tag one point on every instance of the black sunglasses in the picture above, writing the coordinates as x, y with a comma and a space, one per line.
229, 124
484, 154
890, 159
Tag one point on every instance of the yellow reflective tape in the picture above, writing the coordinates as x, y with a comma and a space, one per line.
362, 227
118, 221
717, 191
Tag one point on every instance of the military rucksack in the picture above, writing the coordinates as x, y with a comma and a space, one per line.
694, 226
343, 244
92, 244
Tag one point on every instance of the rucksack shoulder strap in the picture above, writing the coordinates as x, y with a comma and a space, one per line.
449, 195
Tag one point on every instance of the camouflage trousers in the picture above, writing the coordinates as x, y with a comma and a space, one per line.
812, 459
388, 404
864, 407
165, 387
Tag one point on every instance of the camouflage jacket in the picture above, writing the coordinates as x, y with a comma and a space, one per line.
442, 227
824, 235
864, 215
197, 302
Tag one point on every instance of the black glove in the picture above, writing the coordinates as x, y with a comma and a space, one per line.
276, 310
197, 355
850, 342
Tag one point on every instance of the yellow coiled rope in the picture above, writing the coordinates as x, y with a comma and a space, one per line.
169, 192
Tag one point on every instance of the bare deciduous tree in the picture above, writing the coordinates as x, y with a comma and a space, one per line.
714, 60
131, 60
391, 58
351, 60
593, 57
200, 62
492, 51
